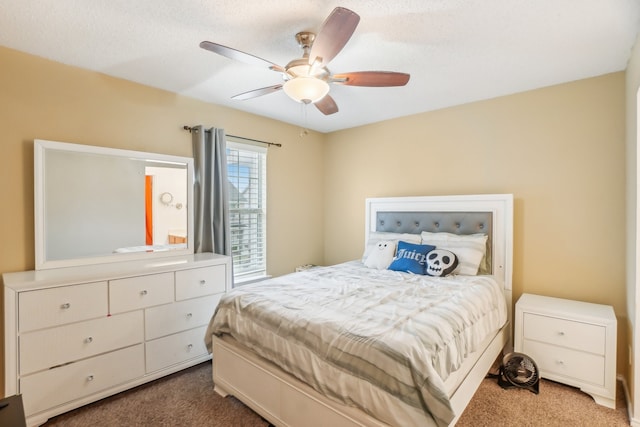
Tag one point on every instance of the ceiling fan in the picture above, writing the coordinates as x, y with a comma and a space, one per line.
307, 79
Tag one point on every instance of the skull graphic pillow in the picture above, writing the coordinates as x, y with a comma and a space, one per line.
441, 263
381, 255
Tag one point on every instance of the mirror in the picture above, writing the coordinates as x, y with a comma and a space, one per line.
95, 205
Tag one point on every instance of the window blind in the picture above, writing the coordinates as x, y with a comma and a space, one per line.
246, 169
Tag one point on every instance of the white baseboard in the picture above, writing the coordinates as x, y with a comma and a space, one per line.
627, 397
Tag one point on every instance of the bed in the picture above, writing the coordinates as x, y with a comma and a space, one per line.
290, 365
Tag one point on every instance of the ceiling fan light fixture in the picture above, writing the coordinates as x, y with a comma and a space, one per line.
307, 79
306, 90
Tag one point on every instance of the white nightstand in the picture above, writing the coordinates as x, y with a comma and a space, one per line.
572, 342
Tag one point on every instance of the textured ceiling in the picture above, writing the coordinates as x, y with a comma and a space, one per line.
457, 51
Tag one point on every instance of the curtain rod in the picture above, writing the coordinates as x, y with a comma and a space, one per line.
275, 144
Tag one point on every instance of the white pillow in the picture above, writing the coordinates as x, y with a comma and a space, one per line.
381, 255
376, 236
470, 249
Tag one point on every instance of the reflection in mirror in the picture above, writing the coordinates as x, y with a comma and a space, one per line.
95, 204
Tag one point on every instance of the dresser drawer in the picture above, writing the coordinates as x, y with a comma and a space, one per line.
180, 316
47, 348
54, 387
176, 348
198, 282
65, 304
566, 333
139, 292
569, 364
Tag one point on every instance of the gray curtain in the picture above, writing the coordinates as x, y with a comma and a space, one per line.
211, 191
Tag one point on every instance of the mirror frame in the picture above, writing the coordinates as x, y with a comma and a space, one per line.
40, 148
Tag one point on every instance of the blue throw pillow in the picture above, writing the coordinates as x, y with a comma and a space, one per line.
411, 258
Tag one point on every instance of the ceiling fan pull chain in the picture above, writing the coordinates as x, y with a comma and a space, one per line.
303, 110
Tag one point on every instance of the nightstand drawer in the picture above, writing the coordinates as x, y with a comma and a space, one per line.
553, 361
565, 333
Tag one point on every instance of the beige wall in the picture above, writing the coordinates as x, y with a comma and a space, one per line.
46, 100
559, 150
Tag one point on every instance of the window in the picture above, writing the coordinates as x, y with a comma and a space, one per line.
246, 169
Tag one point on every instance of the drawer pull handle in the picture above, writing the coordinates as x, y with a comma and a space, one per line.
189, 347
65, 306
88, 340
143, 292
202, 282
90, 378
189, 315
560, 362
561, 333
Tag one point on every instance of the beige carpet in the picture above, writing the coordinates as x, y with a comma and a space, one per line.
556, 405
187, 399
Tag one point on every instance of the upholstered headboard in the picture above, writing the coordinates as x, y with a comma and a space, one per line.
490, 214
450, 222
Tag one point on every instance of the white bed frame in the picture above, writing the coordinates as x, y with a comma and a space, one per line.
285, 401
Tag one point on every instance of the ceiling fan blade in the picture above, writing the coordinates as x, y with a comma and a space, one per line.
257, 92
239, 55
333, 35
371, 78
327, 105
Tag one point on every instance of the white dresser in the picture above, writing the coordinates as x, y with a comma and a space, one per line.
572, 342
75, 335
